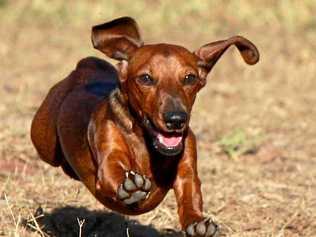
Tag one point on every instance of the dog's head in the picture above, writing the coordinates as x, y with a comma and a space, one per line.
160, 81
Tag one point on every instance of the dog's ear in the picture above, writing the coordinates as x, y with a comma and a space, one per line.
210, 53
118, 39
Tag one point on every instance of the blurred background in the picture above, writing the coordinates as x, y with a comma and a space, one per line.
255, 125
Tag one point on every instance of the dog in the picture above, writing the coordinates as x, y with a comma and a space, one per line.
124, 132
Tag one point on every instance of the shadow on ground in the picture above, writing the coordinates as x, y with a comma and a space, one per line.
63, 222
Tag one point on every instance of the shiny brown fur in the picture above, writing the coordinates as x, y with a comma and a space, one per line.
92, 122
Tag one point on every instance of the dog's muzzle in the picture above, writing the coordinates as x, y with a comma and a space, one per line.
175, 120
167, 144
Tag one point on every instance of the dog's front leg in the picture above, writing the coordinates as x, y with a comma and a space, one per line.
187, 189
117, 179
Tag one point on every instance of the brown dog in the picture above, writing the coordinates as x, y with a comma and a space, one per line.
125, 132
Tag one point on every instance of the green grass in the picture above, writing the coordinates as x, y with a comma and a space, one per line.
238, 143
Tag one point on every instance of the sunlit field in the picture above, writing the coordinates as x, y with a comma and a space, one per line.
255, 125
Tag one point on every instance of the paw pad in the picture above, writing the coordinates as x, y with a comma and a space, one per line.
134, 188
204, 228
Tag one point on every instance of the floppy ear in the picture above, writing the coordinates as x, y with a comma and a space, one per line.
210, 53
118, 39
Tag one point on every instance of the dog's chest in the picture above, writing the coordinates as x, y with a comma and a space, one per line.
160, 170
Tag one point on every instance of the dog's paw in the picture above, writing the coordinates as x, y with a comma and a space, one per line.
203, 228
135, 188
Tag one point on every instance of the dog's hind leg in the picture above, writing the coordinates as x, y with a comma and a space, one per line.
64, 163
43, 129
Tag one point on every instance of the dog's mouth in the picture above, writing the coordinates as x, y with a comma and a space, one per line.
167, 144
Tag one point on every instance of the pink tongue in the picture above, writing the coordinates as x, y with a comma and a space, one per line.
170, 141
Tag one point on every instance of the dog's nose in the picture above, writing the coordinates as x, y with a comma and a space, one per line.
175, 119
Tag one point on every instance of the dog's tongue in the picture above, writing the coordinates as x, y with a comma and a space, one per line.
170, 141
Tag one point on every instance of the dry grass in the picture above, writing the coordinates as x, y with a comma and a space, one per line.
269, 193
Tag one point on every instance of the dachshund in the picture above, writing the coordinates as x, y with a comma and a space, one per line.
124, 131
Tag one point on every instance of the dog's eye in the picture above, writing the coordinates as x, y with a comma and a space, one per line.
190, 79
146, 79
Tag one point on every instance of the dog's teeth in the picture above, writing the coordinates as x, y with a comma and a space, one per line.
160, 138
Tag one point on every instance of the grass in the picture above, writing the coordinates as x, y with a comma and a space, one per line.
237, 143
270, 194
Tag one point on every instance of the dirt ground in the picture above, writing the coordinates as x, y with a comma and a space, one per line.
262, 115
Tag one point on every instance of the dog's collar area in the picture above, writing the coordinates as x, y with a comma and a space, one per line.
118, 106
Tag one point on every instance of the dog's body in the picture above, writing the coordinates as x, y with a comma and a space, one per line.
124, 133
